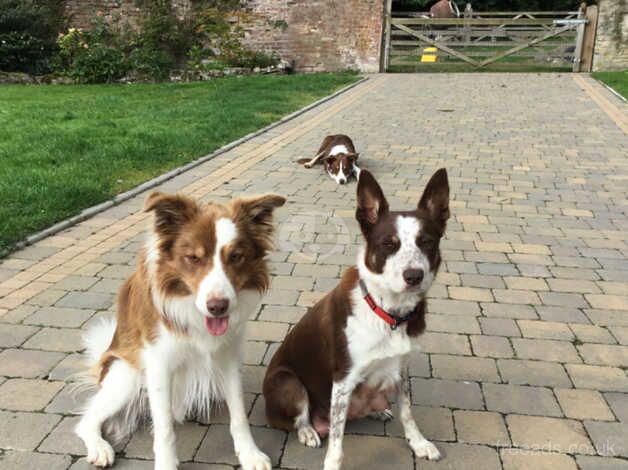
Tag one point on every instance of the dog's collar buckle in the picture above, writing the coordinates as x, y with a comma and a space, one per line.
392, 321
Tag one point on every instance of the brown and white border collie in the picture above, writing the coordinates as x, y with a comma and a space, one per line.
176, 342
349, 351
338, 155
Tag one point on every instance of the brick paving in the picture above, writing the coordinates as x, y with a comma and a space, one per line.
524, 365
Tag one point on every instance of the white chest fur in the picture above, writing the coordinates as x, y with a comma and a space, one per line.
377, 352
196, 360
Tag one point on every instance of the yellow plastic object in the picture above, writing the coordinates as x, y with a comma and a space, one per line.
429, 54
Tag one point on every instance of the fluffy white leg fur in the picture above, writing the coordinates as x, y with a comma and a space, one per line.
120, 388
159, 375
118, 404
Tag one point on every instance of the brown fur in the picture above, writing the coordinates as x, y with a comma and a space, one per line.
186, 240
442, 9
312, 355
333, 163
377, 221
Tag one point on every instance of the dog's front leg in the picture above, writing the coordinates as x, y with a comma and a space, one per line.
251, 458
159, 387
419, 445
340, 398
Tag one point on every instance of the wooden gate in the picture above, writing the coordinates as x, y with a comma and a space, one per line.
496, 41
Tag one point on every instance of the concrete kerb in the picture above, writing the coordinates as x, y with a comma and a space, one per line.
125, 196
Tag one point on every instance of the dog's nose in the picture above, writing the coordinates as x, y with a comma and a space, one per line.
342, 181
413, 277
217, 306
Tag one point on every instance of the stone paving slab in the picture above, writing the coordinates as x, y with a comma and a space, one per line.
524, 365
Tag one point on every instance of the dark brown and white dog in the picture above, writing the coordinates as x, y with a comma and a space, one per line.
175, 345
349, 351
338, 155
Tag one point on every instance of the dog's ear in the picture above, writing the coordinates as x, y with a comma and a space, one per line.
254, 216
371, 202
257, 209
171, 211
435, 198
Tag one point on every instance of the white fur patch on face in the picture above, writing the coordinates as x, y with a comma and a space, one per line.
409, 256
338, 177
216, 283
336, 149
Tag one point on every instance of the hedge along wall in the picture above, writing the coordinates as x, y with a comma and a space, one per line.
611, 44
316, 35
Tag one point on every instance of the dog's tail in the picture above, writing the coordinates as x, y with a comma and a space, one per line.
98, 339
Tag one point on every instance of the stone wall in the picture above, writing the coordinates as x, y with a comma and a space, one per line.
315, 35
611, 44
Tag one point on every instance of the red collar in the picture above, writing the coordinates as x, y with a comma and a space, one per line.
393, 321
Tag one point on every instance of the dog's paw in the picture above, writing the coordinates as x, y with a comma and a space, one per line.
255, 460
307, 165
100, 453
384, 415
425, 448
308, 436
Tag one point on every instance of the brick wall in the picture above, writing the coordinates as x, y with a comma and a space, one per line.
611, 44
81, 12
317, 35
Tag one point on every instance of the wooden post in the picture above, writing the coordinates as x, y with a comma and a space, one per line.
468, 14
579, 40
588, 43
385, 59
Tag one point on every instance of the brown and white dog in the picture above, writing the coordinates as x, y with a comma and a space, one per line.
175, 345
349, 351
338, 155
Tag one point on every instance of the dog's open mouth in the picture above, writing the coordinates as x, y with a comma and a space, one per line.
217, 326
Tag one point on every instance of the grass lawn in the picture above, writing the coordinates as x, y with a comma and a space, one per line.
65, 148
618, 81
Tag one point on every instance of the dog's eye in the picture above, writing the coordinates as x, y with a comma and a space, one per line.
236, 257
192, 259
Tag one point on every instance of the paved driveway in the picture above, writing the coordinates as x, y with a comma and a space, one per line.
525, 360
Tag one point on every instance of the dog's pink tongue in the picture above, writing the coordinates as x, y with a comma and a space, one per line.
217, 326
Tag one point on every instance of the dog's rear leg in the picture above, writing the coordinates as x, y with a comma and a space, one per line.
288, 406
118, 389
305, 431
310, 163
